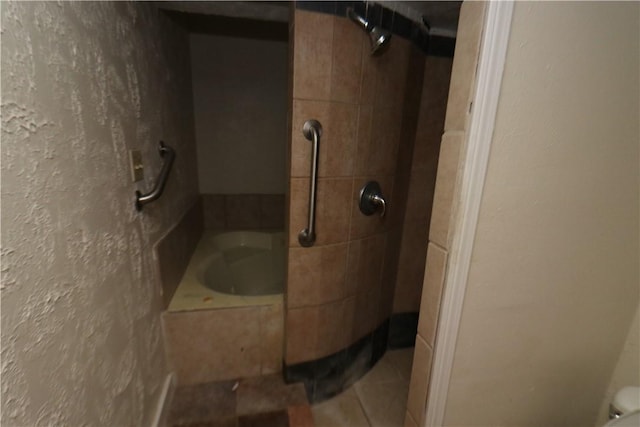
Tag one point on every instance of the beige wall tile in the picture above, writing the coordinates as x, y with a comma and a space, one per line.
347, 61
363, 141
390, 272
201, 351
349, 318
362, 132
392, 74
301, 333
411, 267
434, 275
419, 383
337, 143
470, 25
313, 34
364, 269
174, 250
316, 274
370, 70
272, 211
331, 329
272, 335
242, 211
214, 211
366, 319
353, 268
447, 176
333, 210
420, 198
378, 149
409, 421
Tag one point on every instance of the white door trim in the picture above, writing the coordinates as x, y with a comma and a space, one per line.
491, 63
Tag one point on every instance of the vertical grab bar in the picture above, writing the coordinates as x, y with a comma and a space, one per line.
312, 130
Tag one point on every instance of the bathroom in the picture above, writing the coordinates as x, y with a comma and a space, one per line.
91, 88
360, 266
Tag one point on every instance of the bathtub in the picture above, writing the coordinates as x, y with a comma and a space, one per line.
233, 269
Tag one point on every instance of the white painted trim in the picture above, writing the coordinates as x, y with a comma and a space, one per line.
491, 63
160, 417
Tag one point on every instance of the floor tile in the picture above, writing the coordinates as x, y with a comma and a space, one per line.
266, 394
401, 360
300, 416
268, 419
383, 372
384, 404
226, 422
343, 410
203, 403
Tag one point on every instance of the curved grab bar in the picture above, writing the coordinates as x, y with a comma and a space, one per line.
169, 156
312, 130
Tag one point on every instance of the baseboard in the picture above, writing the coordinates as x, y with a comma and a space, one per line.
161, 415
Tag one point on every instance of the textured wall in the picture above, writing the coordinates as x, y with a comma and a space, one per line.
81, 84
240, 107
553, 283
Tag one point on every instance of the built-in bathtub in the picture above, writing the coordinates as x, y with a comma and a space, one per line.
233, 269
226, 318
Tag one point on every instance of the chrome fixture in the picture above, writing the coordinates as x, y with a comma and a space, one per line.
379, 37
372, 200
169, 156
312, 130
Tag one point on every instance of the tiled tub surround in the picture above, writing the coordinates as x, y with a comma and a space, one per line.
244, 211
213, 336
224, 343
340, 291
174, 250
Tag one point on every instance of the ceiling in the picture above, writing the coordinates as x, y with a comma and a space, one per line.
442, 16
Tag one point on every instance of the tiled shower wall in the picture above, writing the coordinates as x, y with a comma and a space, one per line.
413, 251
342, 288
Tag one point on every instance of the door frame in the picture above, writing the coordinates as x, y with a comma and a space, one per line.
491, 63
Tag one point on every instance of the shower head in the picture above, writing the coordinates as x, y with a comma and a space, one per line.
378, 37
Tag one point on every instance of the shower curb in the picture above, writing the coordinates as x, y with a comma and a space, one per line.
328, 376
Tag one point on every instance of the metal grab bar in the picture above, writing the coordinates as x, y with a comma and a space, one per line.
169, 156
312, 130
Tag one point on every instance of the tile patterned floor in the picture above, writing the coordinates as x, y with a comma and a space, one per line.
255, 402
378, 399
